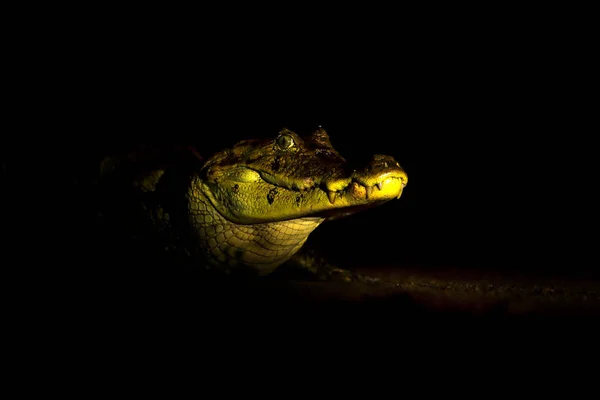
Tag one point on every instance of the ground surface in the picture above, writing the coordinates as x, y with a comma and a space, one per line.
397, 293
495, 292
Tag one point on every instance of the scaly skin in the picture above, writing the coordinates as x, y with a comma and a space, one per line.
254, 205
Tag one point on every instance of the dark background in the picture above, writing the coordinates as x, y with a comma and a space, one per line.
476, 135
485, 109
481, 193
482, 118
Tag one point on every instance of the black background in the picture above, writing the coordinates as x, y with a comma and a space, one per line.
484, 108
484, 188
472, 128
482, 191
479, 115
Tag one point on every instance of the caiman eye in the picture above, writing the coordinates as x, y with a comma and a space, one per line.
285, 142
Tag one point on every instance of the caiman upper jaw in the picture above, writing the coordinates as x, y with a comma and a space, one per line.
272, 190
295, 184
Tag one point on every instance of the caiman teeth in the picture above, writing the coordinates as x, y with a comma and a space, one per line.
331, 196
369, 189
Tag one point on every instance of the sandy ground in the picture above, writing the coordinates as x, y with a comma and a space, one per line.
492, 291
397, 296
445, 292
406, 309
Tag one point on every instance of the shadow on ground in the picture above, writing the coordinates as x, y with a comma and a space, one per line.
398, 298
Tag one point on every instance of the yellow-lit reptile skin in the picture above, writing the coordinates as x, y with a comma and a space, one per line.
263, 246
254, 204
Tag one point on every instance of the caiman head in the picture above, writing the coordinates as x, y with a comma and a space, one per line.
292, 177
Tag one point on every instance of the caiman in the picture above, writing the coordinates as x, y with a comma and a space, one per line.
254, 205
251, 208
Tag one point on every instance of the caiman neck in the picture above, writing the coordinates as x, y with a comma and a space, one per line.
263, 246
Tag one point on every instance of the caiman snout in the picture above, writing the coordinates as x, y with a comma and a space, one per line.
383, 176
379, 169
